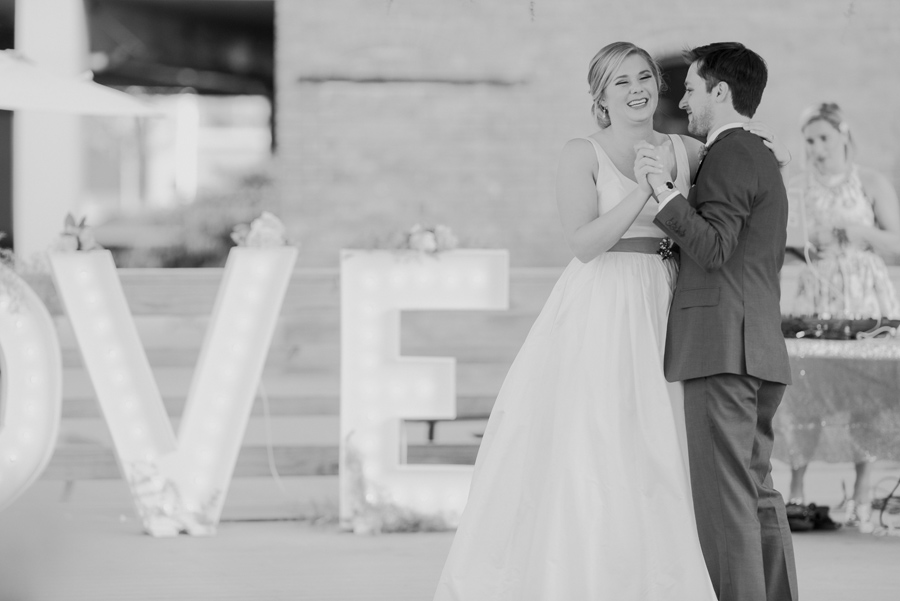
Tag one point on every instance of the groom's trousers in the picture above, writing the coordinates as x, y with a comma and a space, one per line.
741, 518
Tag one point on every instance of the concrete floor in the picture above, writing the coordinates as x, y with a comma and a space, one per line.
85, 544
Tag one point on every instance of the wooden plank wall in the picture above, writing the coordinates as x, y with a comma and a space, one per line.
301, 378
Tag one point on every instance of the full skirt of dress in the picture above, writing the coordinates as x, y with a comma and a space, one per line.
581, 490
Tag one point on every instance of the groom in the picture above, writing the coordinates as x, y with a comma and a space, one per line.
724, 337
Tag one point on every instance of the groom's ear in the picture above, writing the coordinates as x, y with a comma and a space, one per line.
721, 92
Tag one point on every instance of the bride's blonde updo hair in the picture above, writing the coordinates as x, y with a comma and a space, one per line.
604, 64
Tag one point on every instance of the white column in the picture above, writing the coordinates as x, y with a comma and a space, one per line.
47, 148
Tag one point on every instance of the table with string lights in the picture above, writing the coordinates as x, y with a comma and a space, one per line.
844, 403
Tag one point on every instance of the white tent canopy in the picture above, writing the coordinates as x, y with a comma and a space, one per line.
26, 86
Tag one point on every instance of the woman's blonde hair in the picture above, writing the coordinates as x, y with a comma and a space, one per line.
830, 113
604, 64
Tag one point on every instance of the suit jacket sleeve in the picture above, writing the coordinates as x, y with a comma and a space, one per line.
722, 197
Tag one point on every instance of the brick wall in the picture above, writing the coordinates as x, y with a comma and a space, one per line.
391, 112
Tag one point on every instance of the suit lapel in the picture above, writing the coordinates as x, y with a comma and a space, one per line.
697, 175
722, 135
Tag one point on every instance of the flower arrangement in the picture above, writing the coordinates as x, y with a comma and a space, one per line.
266, 231
417, 240
430, 239
160, 505
16, 271
76, 235
375, 512
9, 282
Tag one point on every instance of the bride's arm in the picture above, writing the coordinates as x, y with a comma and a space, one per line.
781, 152
588, 233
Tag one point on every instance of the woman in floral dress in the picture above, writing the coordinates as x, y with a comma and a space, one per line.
853, 219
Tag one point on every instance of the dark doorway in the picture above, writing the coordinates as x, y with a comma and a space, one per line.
213, 47
6, 194
670, 119
7, 40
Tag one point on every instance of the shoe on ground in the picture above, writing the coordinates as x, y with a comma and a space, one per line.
800, 518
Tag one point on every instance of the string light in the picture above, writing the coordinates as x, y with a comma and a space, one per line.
32, 373
200, 462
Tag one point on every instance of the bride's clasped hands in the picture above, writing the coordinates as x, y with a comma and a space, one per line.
650, 159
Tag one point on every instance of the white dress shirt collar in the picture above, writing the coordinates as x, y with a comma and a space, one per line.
712, 137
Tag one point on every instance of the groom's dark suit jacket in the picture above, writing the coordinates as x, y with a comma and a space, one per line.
726, 315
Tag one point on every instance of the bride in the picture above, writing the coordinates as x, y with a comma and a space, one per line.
581, 489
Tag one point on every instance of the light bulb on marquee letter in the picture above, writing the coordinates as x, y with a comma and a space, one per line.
379, 388
177, 484
30, 386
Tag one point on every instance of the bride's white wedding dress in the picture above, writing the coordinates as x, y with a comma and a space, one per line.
581, 489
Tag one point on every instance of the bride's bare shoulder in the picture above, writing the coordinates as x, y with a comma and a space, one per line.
579, 151
582, 142
692, 145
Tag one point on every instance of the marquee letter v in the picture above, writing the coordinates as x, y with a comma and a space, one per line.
178, 485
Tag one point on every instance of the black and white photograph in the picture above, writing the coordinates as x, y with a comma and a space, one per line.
449, 300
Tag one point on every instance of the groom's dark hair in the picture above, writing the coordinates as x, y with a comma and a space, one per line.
742, 69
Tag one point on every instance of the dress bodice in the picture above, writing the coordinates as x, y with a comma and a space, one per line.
847, 280
613, 186
842, 202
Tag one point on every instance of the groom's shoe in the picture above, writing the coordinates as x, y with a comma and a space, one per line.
821, 519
